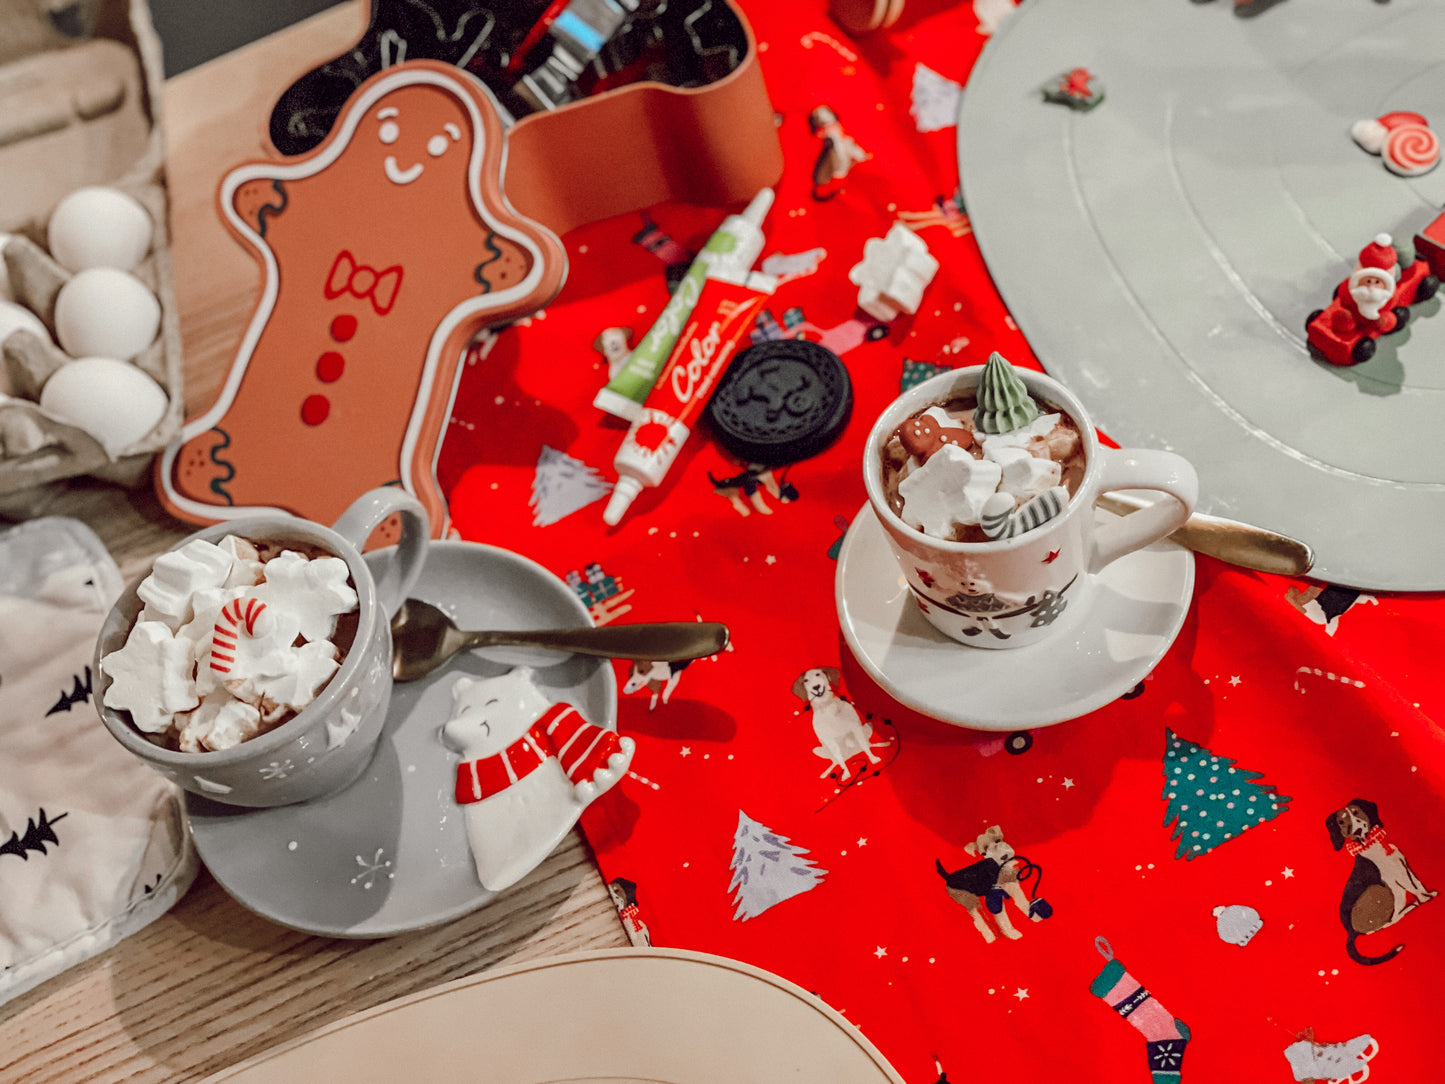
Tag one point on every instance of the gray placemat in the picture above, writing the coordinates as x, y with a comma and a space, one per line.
1163, 251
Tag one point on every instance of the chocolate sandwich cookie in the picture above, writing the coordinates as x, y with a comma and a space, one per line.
781, 401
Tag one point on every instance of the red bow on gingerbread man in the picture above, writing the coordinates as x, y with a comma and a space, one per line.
348, 276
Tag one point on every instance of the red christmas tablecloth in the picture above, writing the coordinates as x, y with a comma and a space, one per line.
1170, 824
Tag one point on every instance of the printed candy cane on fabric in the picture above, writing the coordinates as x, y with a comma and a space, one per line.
241, 613
1326, 674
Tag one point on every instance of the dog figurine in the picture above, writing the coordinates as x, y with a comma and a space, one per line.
1382, 887
994, 871
658, 677
839, 728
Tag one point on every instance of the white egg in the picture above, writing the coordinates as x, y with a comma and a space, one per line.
114, 402
105, 312
99, 227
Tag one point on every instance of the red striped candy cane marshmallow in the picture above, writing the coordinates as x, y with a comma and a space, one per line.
241, 613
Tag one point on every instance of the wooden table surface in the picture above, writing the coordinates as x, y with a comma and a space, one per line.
211, 984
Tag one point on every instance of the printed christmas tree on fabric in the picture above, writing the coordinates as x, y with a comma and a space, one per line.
562, 485
1212, 800
767, 869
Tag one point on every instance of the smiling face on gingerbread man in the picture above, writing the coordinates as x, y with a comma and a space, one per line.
414, 132
389, 133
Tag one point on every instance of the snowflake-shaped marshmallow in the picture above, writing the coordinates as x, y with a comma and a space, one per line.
150, 677
288, 678
950, 488
314, 592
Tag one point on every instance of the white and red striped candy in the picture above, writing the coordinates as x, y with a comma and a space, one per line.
1404, 141
1411, 150
243, 614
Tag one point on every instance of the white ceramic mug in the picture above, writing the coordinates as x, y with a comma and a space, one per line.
1009, 592
329, 743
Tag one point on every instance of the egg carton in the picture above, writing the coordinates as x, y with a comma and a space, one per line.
80, 104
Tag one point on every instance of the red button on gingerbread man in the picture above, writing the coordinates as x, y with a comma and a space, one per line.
385, 250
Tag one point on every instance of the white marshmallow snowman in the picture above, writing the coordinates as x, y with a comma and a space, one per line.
528, 769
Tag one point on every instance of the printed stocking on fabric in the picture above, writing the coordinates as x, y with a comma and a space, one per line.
1165, 1035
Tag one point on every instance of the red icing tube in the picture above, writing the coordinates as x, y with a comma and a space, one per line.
721, 320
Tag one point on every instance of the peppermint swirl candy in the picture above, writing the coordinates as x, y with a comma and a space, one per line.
1411, 150
1004, 403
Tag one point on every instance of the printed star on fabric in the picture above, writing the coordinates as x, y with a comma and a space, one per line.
1287, 873
1235, 680
880, 952
685, 751
1068, 782
862, 841
770, 560
1021, 993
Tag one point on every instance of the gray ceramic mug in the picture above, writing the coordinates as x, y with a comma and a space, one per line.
330, 742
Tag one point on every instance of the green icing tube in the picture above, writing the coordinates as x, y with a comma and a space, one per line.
734, 245
1004, 403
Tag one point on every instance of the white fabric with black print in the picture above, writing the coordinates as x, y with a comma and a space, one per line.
93, 844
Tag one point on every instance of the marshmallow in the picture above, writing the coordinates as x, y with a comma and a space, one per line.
287, 678
221, 722
1027, 437
1024, 475
245, 562
178, 575
245, 633
150, 677
950, 488
315, 592
893, 273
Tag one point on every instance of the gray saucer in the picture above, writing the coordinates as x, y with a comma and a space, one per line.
389, 854
1163, 251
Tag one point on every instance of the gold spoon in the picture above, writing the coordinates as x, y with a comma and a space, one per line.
423, 638
1229, 540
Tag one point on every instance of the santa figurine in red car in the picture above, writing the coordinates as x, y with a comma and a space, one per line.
1373, 301
1371, 285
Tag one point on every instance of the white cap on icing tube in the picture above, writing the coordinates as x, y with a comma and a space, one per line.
623, 494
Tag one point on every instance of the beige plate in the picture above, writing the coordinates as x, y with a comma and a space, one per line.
620, 1017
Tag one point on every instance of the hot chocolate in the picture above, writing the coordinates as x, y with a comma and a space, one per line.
235, 639
985, 466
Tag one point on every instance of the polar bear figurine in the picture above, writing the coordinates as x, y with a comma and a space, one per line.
528, 769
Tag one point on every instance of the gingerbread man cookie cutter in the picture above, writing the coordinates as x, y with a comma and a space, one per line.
384, 251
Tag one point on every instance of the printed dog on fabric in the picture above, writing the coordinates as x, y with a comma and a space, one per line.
658, 677
1382, 887
989, 881
840, 730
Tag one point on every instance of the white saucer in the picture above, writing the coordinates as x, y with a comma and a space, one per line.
1093, 657
641, 1016
389, 853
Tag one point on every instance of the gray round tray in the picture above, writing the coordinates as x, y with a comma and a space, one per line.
1162, 251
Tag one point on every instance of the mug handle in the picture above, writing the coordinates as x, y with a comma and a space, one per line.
1144, 468
367, 513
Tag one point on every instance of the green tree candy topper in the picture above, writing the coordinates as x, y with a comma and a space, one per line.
1004, 403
